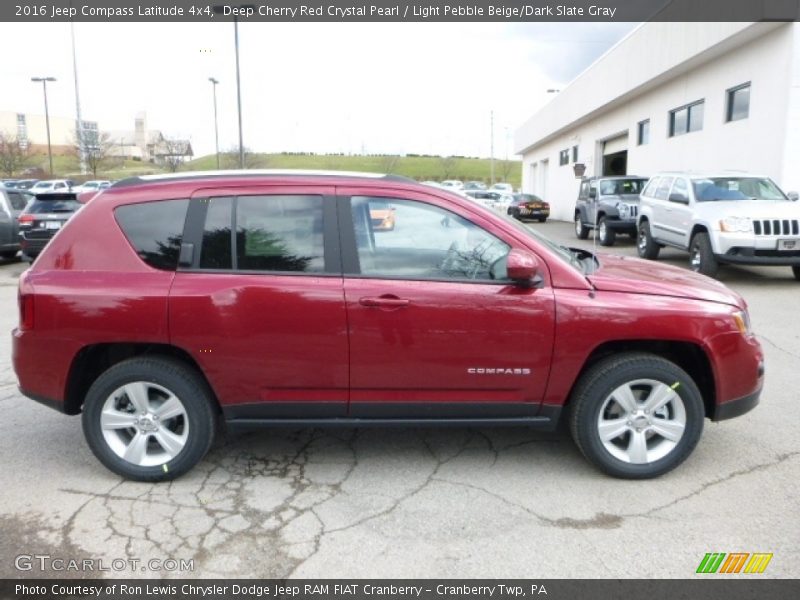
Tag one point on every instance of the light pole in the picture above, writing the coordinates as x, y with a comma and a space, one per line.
238, 90
44, 81
491, 142
214, 83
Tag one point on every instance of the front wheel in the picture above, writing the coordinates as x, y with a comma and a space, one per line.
646, 247
796, 272
605, 233
580, 229
149, 419
701, 256
636, 415
542, 219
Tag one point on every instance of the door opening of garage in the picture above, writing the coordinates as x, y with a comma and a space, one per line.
616, 164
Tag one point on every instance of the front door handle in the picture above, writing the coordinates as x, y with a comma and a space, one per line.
386, 301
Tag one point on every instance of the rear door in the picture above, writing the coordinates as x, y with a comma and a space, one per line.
258, 301
436, 329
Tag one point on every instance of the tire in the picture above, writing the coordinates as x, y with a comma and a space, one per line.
605, 235
542, 219
158, 383
701, 255
10, 255
796, 272
580, 229
645, 245
638, 450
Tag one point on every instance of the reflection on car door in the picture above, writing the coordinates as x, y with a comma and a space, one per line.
258, 301
678, 217
435, 329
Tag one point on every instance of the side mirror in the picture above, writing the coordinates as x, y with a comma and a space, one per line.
793, 196
522, 267
679, 198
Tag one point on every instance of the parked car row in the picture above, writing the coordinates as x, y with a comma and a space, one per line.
718, 218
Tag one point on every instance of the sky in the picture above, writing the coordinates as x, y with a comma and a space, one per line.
394, 88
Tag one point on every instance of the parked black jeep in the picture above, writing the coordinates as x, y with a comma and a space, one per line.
608, 204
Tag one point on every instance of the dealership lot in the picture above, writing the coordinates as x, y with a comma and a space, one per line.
412, 502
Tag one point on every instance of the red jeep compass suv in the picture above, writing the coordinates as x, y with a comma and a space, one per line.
171, 303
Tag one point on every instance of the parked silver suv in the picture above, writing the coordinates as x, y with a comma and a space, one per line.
734, 218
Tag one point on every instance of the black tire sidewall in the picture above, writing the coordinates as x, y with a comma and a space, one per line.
178, 379
598, 383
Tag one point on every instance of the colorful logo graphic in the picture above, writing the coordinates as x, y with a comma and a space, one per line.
735, 562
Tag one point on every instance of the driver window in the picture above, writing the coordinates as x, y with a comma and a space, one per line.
406, 239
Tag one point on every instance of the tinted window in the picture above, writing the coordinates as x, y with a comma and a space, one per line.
279, 233
425, 242
40, 206
155, 230
216, 249
687, 118
17, 201
739, 103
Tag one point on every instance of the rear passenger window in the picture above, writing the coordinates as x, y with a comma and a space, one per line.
273, 233
279, 233
216, 250
17, 201
155, 230
652, 185
663, 188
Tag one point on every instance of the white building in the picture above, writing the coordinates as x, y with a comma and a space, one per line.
672, 96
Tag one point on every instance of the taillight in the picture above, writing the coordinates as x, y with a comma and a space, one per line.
25, 298
25, 219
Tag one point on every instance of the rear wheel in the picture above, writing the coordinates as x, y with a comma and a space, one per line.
542, 219
646, 247
606, 235
796, 272
636, 416
149, 419
580, 229
10, 255
701, 255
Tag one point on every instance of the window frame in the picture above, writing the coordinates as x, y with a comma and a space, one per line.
196, 219
688, 108
640, 141
575, 153
563, 157
729, 95
350, 260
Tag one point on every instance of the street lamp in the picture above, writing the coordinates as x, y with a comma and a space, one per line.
238, 91
44, 81
214, 83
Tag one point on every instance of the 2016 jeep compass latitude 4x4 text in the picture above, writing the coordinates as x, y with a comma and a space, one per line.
170, 304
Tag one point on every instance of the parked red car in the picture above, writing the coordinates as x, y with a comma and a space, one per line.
170, 303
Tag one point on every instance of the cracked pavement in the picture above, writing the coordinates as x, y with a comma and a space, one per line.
418, 502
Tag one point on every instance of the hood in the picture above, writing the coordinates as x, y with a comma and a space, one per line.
755, 209
637, 276
629, 198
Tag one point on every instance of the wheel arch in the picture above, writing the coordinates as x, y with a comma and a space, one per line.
93, 360
699, 228
689, 356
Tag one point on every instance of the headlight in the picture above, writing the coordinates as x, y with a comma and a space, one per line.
624, 210
736, 224
742, 320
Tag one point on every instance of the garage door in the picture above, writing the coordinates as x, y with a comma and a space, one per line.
614, 145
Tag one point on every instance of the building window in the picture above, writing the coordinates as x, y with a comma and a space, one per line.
738, 103
686, 118
563, 157
644, 132
574, 154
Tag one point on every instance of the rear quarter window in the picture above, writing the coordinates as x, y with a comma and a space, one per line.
155, 230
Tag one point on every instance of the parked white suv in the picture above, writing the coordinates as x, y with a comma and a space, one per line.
734, 218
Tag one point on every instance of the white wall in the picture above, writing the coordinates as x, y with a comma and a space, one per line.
758, 143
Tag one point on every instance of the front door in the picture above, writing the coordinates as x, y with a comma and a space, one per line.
436, 329
258, 301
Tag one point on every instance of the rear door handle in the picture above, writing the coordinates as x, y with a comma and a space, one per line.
384, 301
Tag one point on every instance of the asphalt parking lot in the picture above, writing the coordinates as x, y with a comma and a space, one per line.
417, 502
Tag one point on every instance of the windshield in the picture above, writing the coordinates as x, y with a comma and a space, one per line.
617, 187
736, 188
53, 206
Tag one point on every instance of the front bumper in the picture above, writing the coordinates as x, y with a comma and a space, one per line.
752, 256
625, 226
735, 408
